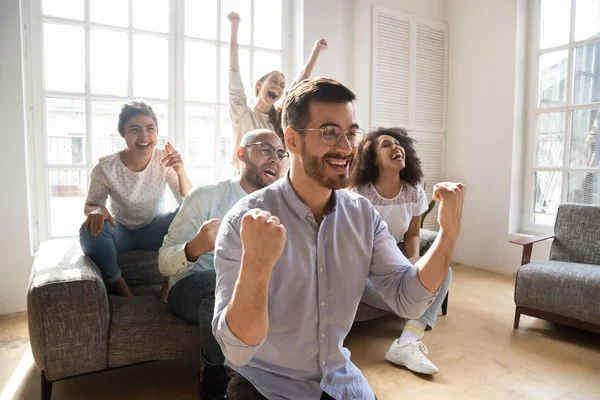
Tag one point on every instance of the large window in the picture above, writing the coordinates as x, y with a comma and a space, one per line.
566, 108
89, 57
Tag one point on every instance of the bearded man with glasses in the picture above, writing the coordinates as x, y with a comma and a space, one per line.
292, 261
186, 255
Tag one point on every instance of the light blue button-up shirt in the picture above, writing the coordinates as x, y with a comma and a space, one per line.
314, 291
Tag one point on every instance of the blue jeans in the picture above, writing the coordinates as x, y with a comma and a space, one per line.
104, 248
193, 300
373, 299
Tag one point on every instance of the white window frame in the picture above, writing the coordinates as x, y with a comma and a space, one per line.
527, 224
38, 167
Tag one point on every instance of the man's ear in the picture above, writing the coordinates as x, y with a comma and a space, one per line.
241, 154
292, 140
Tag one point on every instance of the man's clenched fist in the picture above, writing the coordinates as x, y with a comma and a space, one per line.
263, 240
451, 197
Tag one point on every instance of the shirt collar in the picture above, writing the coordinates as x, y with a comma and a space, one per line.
296, 205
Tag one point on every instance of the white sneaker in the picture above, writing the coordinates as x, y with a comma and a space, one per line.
412, 356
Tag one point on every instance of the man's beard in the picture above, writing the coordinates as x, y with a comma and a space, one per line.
314, 169
253, 175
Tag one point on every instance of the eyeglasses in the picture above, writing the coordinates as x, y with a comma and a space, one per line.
268, 150
331, 135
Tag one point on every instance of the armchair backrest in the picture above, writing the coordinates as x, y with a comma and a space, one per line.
577, 234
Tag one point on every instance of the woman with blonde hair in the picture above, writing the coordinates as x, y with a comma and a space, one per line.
268, 90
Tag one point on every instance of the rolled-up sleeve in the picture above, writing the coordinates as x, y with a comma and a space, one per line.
228, 258
392, 275
171, 256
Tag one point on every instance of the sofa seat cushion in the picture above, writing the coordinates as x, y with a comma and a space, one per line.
140, 267
143, 329
563, 288
365, 312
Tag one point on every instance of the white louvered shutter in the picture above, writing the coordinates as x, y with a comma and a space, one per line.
430, 80
408, 87
390, 69
431, 149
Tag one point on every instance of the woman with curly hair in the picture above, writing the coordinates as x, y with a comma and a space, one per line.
388, 172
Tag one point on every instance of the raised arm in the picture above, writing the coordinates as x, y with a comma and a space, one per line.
434, 265
244, 263
234, 63
307, 70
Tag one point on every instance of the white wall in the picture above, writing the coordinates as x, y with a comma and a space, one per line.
485, 127
361, 43
329, 19
16, 261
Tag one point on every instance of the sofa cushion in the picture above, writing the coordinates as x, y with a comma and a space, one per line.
365, 312
563, 288
577, 232
140, 267
143, 329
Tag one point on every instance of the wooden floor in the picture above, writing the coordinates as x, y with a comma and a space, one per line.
478, 353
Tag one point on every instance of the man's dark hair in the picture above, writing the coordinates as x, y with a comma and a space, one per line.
365, 168
133, 109
295, 106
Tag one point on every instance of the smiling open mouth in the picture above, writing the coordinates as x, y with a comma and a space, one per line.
397, 156
340, 166
270, 172
272, 95
143, 144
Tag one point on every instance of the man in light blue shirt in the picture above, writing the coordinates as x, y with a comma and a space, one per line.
292, 261
186, 255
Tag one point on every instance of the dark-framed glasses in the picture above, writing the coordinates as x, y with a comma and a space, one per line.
269, 150
331, 135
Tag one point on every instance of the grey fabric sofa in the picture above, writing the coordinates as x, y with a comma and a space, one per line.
77, 328
565, 289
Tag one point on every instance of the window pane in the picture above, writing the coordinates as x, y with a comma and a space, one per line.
64, 8
242, 7
553, 78
547, 196
64, 58
265, 63
162, 115
587, 19
227, 142
150, 66
201, 19
244, 60
200, 135
586, 83
151, 15
555, 21
550, 138
108, 70
267, 24
105, 118
201, 176
111, 12
583, 188
584, 139
68, 190
200, 71
65, 129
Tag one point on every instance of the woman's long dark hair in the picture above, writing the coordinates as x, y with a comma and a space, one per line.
275, 111
365, 165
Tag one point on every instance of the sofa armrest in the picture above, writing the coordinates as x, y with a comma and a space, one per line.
68, 311
527, 243
427, 238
